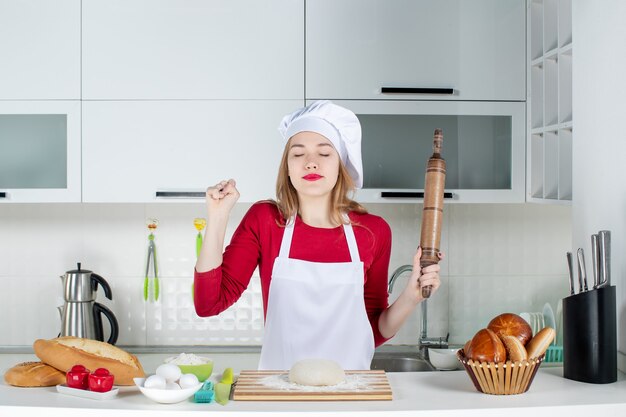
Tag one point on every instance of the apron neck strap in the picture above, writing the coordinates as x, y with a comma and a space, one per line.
285, 245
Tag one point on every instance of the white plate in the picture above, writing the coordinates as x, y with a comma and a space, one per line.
64, 389
559, 323
548, 316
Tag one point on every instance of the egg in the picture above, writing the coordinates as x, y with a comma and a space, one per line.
188, 381
172, 386
155, 381
170, 372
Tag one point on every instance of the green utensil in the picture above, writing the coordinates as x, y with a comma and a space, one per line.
152, 258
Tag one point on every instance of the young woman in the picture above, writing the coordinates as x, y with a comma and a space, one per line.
323, 260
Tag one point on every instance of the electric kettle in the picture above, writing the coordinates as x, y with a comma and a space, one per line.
81, 315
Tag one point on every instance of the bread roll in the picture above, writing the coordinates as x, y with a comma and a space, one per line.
65, 352
540, 342
510, 324
515, 351
466, 347
34, 374
486, 346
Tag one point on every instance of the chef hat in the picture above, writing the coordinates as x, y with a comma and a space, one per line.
338, 124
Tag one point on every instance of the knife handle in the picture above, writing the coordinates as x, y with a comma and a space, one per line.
570, 270
582, 273
604, 242
595, 259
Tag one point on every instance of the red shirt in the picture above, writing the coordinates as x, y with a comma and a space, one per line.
257, 242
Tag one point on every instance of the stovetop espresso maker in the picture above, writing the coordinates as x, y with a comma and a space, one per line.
81, 315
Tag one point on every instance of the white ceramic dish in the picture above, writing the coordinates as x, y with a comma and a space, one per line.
165, 396
548, 316
444, 359
64, 389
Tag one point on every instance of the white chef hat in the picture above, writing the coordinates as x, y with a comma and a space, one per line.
338, 124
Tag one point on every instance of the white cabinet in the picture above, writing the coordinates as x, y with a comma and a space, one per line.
134, 149
549, 103
477, 49
193, 49
40, 151
39, 49
483, 145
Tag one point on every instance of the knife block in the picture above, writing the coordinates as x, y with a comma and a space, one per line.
590, 336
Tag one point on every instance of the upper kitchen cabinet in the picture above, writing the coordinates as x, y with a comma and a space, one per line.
39, 49
483, 146
416, 49
40, 151
150, 151
195, 49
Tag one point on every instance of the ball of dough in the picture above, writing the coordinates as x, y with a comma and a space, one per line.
316, 372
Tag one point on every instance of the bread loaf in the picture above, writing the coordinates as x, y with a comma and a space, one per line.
515, 351
33, 374
540, 342
510, 324
486, 346
65, 352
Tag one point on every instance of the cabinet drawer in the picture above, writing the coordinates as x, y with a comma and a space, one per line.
134, 149
168, 49
476, 49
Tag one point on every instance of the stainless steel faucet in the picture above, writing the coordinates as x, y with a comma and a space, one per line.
424, 341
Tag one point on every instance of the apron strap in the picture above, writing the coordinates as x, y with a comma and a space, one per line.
354, 249
285, 245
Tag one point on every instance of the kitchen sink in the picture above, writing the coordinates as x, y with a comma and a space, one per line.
400, 363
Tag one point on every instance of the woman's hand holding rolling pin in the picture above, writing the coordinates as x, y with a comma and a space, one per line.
422, 277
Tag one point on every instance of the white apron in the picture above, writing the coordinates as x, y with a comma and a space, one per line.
316, 310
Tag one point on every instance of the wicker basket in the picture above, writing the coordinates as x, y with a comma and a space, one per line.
501, 378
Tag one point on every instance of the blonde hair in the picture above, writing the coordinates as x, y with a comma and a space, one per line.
340, 201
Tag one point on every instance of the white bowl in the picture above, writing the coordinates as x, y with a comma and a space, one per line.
444, 359
166, 396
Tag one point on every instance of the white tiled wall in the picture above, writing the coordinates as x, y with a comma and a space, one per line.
498, 258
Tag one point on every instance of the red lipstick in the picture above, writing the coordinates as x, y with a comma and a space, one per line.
312, 177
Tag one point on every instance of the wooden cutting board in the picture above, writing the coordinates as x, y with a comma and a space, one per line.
275, 386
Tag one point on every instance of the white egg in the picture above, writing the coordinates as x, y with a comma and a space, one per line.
172, 385
188, 381
154, 381
170, 372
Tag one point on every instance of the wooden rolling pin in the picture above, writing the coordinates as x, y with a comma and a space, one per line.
433, 207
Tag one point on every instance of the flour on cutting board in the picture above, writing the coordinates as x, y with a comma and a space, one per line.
352, 383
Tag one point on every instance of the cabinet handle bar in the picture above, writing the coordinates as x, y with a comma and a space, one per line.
181, 194
407, 90
409, 194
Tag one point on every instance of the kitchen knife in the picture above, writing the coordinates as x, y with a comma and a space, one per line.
595, 259
582, 272
604, 243
570, 269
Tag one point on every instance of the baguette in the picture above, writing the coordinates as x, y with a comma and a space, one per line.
65, 352
33, 374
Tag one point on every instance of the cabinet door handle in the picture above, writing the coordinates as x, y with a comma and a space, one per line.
407, 90
409, 194
3, 194
180, 194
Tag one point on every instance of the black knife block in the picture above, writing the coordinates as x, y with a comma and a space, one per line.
590, 336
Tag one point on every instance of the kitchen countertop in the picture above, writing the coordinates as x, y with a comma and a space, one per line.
414, 393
